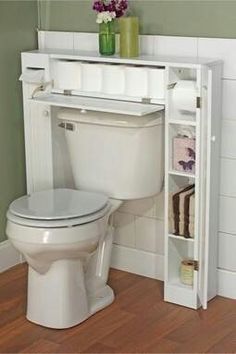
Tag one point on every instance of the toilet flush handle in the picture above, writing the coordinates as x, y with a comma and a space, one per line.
67, 126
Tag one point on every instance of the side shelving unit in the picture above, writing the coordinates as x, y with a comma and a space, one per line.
182, 151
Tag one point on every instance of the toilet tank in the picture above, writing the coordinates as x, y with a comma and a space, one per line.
117, 154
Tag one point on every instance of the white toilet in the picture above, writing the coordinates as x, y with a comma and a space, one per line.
65, 234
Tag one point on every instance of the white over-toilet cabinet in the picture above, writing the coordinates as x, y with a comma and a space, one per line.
139, 86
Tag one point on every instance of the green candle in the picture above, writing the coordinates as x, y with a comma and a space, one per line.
129, 41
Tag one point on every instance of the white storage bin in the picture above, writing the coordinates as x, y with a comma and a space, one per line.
91, 77
113, 79
136, 81
156, 82
67, 75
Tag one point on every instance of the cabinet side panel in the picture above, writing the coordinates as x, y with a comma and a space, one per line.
215, 179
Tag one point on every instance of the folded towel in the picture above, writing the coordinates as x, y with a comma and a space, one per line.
181, 211
184, 212
176, 206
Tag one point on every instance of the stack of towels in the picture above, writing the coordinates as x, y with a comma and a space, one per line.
181, 212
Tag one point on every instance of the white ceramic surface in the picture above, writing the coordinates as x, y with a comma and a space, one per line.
118, 161
57, 204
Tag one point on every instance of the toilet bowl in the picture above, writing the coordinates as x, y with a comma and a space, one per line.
65, 238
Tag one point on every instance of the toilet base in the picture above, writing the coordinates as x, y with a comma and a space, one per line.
58, 298
103, 298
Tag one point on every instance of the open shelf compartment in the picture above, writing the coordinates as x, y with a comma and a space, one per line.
182, 150
182, 95
176, 290
181, 207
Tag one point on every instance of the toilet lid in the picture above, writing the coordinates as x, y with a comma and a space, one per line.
56, 204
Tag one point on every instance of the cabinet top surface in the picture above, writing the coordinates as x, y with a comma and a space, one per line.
141, 60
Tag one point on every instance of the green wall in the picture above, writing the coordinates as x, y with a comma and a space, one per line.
18, 20
204, 18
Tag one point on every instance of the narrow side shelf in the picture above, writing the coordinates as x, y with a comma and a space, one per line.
181, 238
180, 294
98, 104
183, 122
181, 174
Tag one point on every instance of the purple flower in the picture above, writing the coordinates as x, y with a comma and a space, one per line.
117, 6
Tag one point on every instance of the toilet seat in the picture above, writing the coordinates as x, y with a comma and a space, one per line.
58, 208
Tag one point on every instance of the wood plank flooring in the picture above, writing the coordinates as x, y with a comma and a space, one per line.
139, 321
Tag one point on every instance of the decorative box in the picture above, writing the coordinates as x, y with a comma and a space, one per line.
184, 154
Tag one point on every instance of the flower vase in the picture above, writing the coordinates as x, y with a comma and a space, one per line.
107, 38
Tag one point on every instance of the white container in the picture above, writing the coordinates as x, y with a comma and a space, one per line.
119, 155
136, 81
67, 75
91, 77
156, 83
113, 79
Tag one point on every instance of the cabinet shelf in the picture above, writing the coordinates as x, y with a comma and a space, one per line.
181, 174
182, 122
181, 238
177, 283
98, 104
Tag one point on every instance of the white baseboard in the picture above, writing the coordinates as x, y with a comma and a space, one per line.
138, 262
226, 283
9, 256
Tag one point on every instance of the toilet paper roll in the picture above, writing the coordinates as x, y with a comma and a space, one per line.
136, 81
113, 79
33, 76
184, 96
67, 75
91, 77
156, 83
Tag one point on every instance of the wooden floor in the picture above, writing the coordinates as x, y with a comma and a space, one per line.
137, 322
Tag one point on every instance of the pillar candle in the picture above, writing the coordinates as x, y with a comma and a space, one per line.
129, 40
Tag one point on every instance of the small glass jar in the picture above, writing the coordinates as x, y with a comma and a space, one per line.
187, 271
107, 40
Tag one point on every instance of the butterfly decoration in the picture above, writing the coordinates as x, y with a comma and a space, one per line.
187, 165
191, 153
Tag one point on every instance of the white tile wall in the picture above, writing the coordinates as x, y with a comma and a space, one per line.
227, 222
175, 46
56, 40
137, 226
149, 234
228, 140
147, 44
124, 229
228, 99
228, 177
142, 207
86, 41
227, 245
